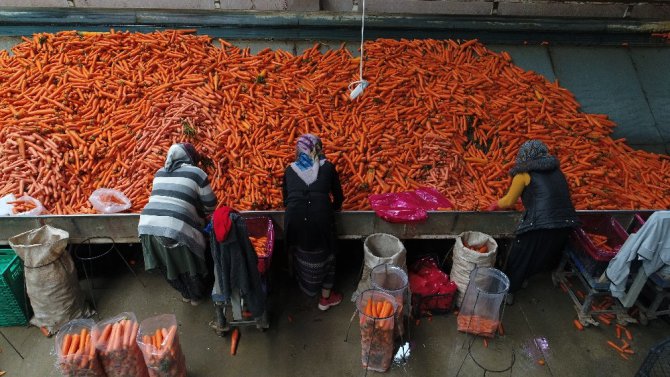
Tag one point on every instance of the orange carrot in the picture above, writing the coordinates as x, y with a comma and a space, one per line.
578, 325
235, 338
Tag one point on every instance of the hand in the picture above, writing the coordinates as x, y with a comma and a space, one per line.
493, 207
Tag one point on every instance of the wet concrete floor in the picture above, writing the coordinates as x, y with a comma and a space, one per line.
303, 341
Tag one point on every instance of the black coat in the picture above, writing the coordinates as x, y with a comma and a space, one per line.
236, 262
547, 202
309, 216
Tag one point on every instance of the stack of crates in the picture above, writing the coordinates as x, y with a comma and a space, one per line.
14, 309
592, 259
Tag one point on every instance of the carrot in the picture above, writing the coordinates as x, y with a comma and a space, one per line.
611, 344
618, 332
234, 340
501, 330
105, 333
74, 345
171, 334
578, 325
159, 338
486, 343
387, 309
65, 345
629, 335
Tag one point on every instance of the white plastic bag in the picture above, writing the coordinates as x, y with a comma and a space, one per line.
36, 207
6, 209
106, 200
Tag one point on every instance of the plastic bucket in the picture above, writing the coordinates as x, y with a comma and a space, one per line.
376, 330
481, 308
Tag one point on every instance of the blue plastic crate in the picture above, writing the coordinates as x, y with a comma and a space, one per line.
14, 309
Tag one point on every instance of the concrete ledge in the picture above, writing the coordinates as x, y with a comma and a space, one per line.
601, 10
145, 4
429, 7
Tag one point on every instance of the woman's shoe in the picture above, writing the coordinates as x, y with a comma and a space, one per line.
332, 300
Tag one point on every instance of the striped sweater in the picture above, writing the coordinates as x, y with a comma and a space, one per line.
177, 207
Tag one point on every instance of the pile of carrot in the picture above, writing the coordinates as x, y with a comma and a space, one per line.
85, 111
20, 206
599, 241
624, 349
260, 245
477, 325
162, 352
77, 355
483, 249
118, 350
379, 310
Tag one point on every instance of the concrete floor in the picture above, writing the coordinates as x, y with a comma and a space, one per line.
302, 341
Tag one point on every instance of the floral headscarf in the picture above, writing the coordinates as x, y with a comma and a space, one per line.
309, 156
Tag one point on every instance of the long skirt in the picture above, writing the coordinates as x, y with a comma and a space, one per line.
182, 269
315, 270
532, 252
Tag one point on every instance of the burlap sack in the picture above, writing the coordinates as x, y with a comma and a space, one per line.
465, 259
51, 277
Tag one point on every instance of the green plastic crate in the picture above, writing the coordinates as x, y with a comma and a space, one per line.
13, 311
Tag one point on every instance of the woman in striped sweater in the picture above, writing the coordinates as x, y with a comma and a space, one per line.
171, 223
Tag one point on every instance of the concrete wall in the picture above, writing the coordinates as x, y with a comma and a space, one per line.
659, 10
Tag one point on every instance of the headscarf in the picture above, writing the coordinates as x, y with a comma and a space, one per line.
309, 156
534, 156
179, 154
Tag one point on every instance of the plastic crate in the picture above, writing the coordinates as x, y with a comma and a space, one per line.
605, 226
439, 303
638, 220
262, 226
657, 362
433, 304
13, 311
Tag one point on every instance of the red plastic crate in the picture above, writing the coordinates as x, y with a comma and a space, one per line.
638, 220
259, 227
606, 226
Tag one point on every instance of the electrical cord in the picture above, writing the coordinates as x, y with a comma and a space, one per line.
361, 84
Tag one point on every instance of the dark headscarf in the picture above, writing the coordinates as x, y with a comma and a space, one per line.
179, 154
533, 156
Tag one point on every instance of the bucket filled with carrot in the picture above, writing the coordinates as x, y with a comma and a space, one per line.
394, 281
159, 342
75, 352
376, 310
115, 342
481, 307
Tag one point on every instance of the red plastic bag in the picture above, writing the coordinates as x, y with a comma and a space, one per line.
408, 206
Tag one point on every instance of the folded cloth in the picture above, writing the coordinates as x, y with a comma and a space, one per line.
221, 222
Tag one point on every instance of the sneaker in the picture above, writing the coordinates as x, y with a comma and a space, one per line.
326, 303
186, 300
509, 299
195, 302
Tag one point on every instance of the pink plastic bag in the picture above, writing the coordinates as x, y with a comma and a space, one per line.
408, 206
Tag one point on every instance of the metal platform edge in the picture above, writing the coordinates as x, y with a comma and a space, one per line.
122, 228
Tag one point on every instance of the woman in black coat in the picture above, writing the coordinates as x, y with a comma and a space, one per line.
312, 193
548, 216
